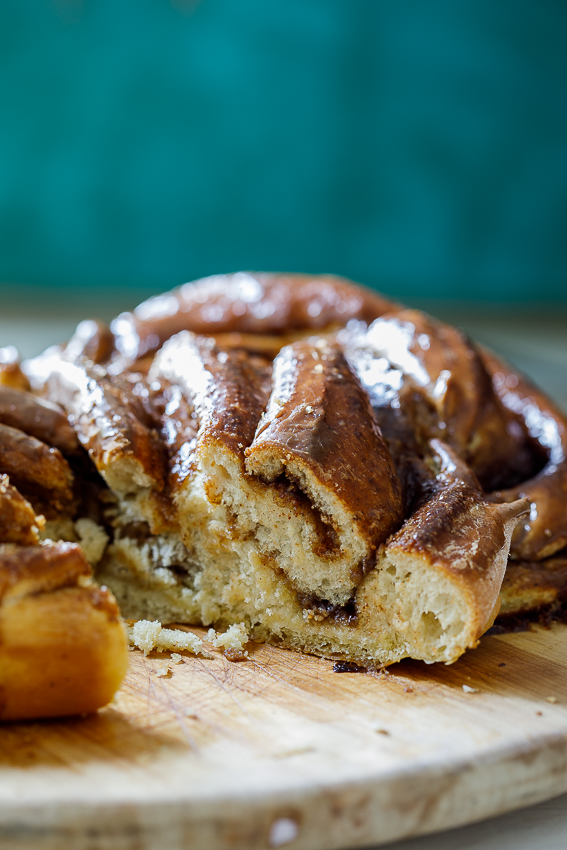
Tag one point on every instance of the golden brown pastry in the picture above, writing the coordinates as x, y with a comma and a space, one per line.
62, 644
352, 492
444, 567
427, 380
92, 340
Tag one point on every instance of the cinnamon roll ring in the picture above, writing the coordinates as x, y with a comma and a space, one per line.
247, 490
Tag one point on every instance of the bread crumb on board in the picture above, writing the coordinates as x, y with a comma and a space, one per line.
231, 642
149, 635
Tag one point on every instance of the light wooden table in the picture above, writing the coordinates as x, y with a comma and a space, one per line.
533, 339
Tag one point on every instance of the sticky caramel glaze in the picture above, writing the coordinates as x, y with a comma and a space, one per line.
545, 532
41, 473
426, 380
209, 395
62, 645
319, 417
18, 522
245, 302
263, 345
38, 418
112, 422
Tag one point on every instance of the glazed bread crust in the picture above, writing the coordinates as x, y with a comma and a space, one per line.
245, 302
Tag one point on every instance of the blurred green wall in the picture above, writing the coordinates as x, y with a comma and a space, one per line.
415, 145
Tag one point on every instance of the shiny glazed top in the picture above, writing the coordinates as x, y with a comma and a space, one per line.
425, 381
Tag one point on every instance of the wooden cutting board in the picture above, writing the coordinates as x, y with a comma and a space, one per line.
279, 750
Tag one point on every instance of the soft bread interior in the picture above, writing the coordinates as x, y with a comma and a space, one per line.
410, 604
400, 609
295, 522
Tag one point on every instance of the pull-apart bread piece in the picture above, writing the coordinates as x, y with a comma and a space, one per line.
112, 424
300, 455
62, 643
448, 561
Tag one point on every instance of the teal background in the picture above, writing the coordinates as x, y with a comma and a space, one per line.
418, 146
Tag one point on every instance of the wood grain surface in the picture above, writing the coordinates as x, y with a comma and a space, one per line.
279, 750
